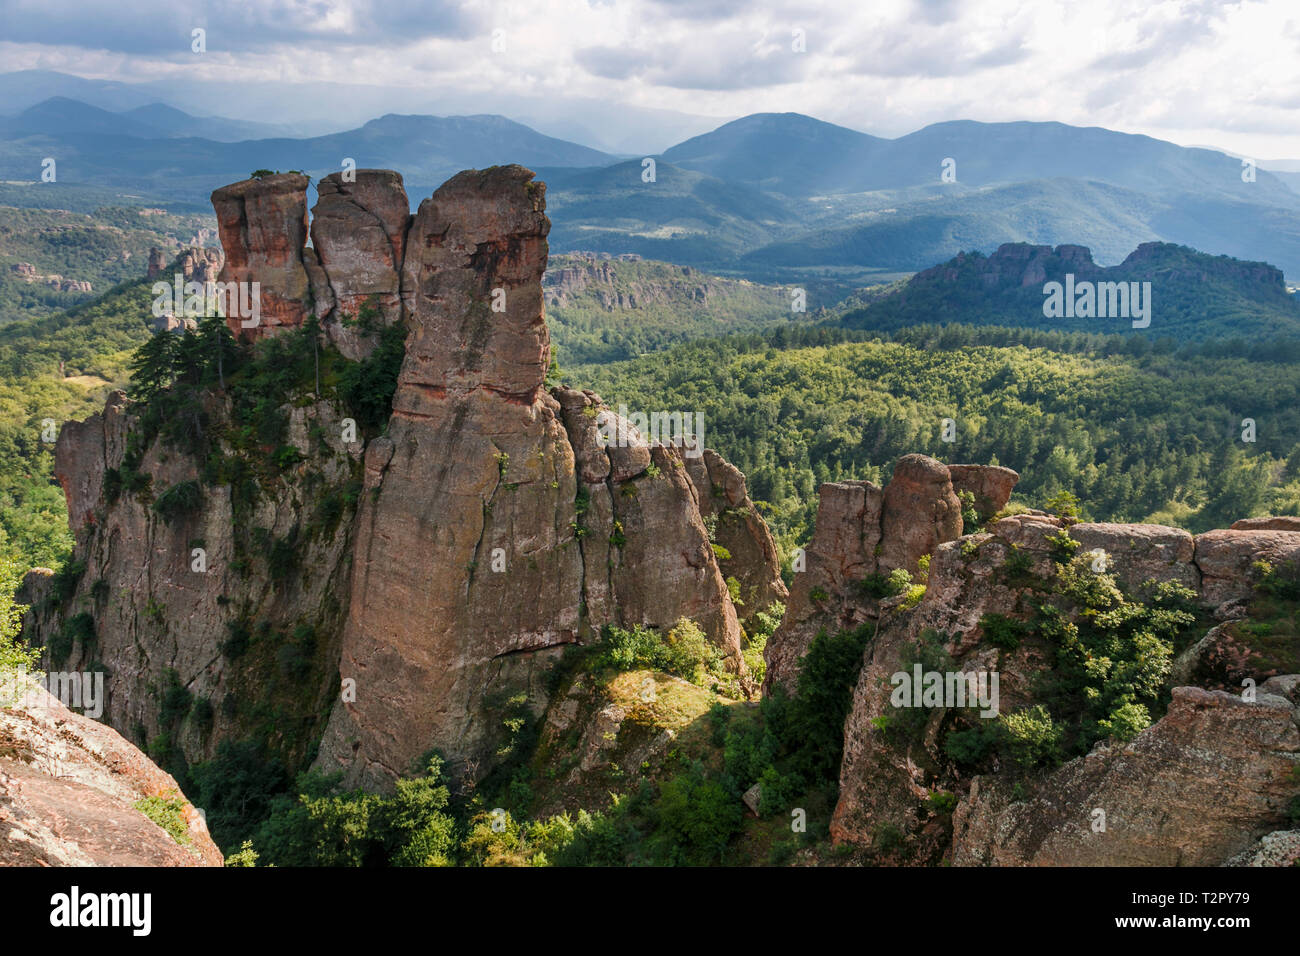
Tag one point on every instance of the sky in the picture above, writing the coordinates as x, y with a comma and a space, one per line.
636, 75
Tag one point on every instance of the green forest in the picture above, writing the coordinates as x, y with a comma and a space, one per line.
1139, 433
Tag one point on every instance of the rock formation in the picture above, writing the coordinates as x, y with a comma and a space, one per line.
71, 789
862, 530
1194, 789
263, 226
495, 523
489, 538
1202, 784
358, 231
165, 615
28, 273
749, 553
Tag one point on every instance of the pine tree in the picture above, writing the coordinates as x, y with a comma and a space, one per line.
220, 351
153, 366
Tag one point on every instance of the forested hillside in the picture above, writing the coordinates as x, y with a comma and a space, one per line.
1138, 433
602, 310
52, 259
94, 342
1135, 427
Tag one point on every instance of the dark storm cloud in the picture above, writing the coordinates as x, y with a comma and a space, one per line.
161, 27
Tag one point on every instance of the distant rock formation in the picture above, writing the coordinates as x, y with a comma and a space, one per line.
1022, 264
614, 289
69, 790
29, 274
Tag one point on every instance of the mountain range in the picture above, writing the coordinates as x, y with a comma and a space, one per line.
770, 196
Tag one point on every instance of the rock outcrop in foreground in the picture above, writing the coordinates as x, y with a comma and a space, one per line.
1190, 791
1206, 782
491, 525
70, 789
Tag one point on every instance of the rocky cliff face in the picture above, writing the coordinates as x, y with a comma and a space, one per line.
1201, 784
494, 523
496, 528
863, 530
615, 287
236, 601
74, 793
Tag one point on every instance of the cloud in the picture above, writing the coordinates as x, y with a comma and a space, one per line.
163, 28
1173, 68
702, 61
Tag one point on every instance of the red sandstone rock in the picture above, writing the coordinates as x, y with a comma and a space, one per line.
68, 793
263, 226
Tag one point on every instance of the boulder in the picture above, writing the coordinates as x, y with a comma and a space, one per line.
1196, 788
1226, 559
991, 486
71, 791
1137, 553
1284, 523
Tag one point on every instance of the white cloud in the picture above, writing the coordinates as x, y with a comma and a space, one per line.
1186, 70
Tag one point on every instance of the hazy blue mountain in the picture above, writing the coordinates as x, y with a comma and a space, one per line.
23, 88
683, 216
763, 196
1108, 219
786, 152
801, 156
59, 115
426, 149
170, 122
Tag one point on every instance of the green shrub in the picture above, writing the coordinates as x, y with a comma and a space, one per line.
176, 700
237, 639
970, 519
1281, 582
367, 387
1002, 631
178, 501
1063, 504
1033, 739
202, 714
684, 652
237, 787
168, 813
695, 818
878, 585
942, 802
324, 826
13, 655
